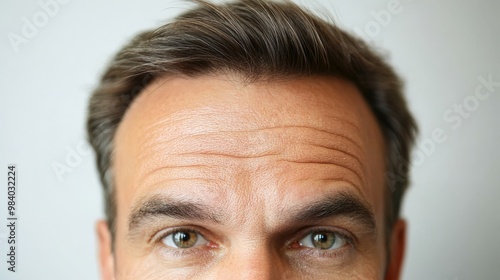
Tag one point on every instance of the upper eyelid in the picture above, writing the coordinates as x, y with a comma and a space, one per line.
157, 237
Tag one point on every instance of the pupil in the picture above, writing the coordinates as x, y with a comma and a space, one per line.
320, 238
323, 240
184, 239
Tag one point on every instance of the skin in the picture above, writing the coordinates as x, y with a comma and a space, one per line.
252, 158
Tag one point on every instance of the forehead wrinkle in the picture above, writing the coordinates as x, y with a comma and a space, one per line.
195, 171
348, 168
161, 136
188, 187
205, 119
349, 183
208, 109
248, 138
330, 169
273, 144
336, 148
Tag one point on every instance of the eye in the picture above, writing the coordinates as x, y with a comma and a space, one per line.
323, 240
184, 239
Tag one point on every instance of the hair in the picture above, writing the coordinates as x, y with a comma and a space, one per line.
257, 39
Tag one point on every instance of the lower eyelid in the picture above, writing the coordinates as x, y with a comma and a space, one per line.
351, 240
176, 253
169, 251
340, 254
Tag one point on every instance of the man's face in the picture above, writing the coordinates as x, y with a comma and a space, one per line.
216, 179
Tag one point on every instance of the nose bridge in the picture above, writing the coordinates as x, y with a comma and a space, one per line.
254, 260
252, 253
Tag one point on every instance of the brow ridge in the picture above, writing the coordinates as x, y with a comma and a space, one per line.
158, 206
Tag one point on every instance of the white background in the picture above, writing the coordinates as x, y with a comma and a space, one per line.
439, 47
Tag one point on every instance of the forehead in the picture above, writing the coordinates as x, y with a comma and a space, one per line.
219, 130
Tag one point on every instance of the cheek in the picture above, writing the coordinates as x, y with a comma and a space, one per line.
139, 271
138, 266
365, 267
368, 268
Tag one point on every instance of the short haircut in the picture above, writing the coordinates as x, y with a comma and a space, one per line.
257, 39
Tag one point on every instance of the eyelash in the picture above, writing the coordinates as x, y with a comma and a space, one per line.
299, 236
174, 251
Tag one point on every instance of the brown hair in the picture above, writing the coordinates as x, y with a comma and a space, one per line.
260, 40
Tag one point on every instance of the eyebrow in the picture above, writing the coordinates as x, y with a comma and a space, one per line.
343, 204
161, 207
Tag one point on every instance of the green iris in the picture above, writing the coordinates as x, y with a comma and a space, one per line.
185, 239
323, 240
